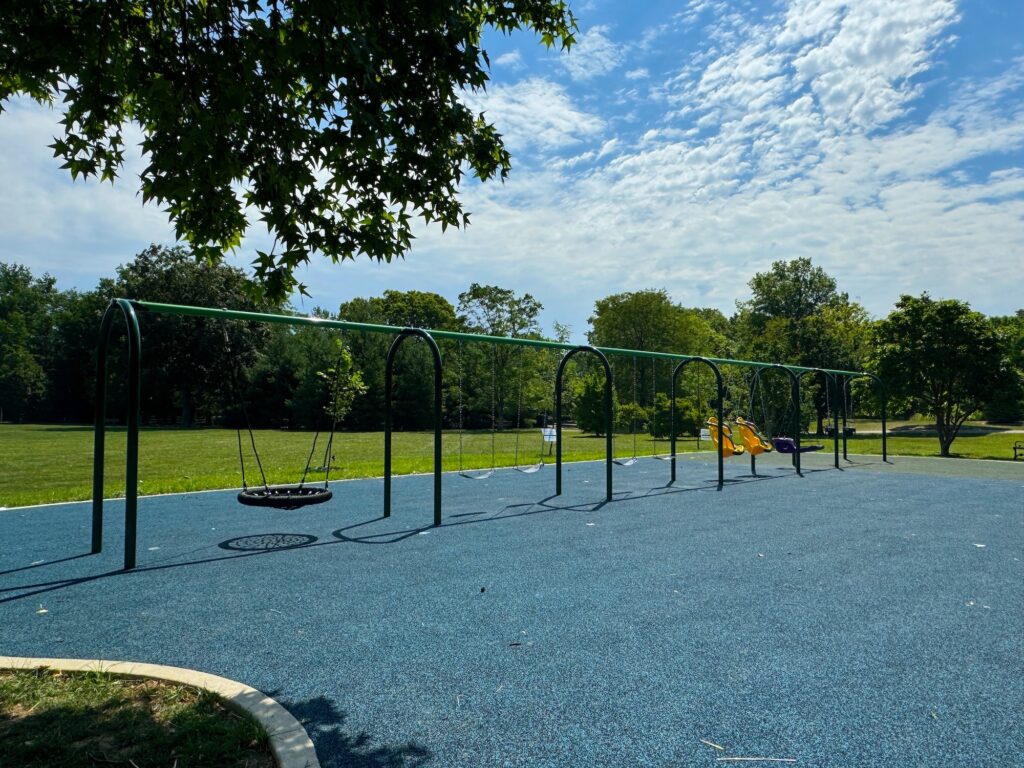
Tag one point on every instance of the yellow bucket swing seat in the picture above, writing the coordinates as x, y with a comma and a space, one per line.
724, 434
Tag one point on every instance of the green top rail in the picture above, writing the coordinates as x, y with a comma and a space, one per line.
265, 317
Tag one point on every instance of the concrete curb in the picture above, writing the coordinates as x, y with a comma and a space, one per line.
289, 742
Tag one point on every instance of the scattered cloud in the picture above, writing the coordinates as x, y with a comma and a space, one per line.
535, 114
512, 60
786, 142
842, 131
593, 55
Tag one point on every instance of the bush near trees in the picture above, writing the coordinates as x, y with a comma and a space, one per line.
48, 341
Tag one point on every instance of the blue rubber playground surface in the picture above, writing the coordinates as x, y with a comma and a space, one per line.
867, 617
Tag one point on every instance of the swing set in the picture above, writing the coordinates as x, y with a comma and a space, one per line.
303, 493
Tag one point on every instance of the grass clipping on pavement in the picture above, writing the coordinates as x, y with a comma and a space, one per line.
80, 719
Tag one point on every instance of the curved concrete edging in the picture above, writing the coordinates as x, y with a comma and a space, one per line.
289, 742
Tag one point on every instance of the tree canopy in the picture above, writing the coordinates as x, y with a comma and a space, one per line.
24, 337
335, 123
941, 356
797, 314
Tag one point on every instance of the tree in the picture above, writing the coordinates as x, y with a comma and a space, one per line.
588, 400
340, 120
941, 356
25, 305
498, 311
797, 315
649, 320
71, 364
187, 360
412, 407
1007, 404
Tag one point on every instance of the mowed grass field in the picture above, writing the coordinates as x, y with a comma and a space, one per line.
48, 463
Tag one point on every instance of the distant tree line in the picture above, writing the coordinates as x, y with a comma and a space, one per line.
937, 357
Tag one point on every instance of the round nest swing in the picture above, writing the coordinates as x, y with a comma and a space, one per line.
284, 496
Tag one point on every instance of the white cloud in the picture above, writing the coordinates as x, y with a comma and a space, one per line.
607, 148
866, 53
535, 114
512, 60
785, 143
593, 55
74, 229
638, 74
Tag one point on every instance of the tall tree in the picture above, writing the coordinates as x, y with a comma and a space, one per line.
941, 356
1008, 403
500, 312
25, 306
71, 364
649, 320
186, 360
414, 379
340, 120
797, 315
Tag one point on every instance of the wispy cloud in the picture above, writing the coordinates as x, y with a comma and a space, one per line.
535, 114
512, 60
593, 55
786, 142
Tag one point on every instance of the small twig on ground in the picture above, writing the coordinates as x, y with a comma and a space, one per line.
752, 759
712, 744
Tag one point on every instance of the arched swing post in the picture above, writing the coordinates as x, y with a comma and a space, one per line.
404, 334
844, 388
885, 400
794, 383
831, 381
124, 308
721, 414
609, 426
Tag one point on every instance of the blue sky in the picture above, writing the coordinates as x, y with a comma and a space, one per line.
680, 145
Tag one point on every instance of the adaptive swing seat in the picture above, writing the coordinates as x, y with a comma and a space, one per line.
753, 440
788, 445
723, 434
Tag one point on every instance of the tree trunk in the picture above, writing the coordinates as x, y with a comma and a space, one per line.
186, 408
946, 436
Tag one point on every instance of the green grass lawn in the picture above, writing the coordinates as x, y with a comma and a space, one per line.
84, 720
40, 463
996, 445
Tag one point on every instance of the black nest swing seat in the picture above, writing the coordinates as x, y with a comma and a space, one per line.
284, 496
291, 496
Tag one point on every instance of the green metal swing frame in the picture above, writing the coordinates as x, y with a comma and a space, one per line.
130, 310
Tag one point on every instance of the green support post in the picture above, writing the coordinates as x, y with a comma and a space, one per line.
404, 334
608, 415
720, 409
131, 491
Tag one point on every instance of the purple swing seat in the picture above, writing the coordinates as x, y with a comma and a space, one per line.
788, 445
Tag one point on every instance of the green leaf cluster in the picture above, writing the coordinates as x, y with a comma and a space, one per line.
333, 123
